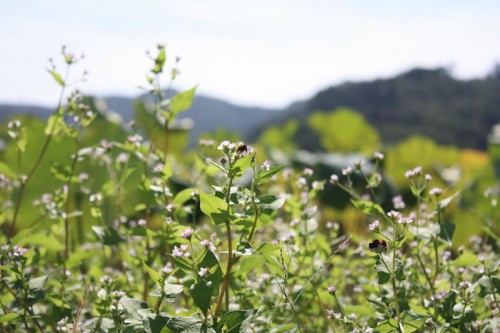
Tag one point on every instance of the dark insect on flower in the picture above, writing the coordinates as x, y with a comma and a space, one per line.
242, 149
378, 245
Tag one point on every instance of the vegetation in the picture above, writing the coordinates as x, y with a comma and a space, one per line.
114, 228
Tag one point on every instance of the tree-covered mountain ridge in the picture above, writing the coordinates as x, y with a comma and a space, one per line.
428, 102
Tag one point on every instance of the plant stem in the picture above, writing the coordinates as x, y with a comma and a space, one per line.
24, 182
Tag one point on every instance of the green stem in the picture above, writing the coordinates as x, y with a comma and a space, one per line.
24, 182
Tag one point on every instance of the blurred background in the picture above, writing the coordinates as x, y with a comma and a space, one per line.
316, 84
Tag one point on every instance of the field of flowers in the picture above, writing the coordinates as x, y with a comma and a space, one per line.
106, 231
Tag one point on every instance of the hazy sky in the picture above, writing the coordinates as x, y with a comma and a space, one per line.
257, 52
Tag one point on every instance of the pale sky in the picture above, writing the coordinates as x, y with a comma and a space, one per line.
266, 53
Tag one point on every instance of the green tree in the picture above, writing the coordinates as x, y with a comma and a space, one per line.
344, 130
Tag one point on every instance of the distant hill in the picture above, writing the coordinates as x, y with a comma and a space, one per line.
421, 101
207, 113
429, 102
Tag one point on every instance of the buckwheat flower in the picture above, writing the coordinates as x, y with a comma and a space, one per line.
187, 233
167, 269
436, 191
334, 179
359, 164
83, 176
301, 182
118, 294
394, 215
266, 166
374, 225
332, 225
226, 146
405, 220
106, 144
18, 251
347, 171
481, 257
331, 289
398, 202
106, 279
378, 156
96, 197
317, 185
14, 124
308, 172
461, 270
122, 157
177, 252
446, 255
171, 207
158, 168
294, 222
464, 284
475, 239
142, 222
203, 271
428, 177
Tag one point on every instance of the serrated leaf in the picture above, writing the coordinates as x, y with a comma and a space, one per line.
182, 101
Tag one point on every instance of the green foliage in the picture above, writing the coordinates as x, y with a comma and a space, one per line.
344, 130
112, 229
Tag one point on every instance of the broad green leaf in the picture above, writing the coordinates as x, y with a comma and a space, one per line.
360, 309
132, 306
50, 242
4, 169
237, 321
171, 290
446, 231
182, 101
9, 317
249, 263
240, 166
214, 207
107, 236
270, 202
264, 176
55, 124
152, 273
201, 293
183, 196
467, 259
188, 325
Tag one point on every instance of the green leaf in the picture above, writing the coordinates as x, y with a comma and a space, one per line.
57, 77
55, 124
386, 327
183, 196
201, 293
50, 242
107, 236
160, 60
270, 203
446, 231
133, 307
214, 207
171, 290
237, 321
182, 101
467, 259
188, 325
63, 172
152, 273
9, 317
264, 176
445, 202
241, 165
210, 260
368, 207
4, 168
249, 263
